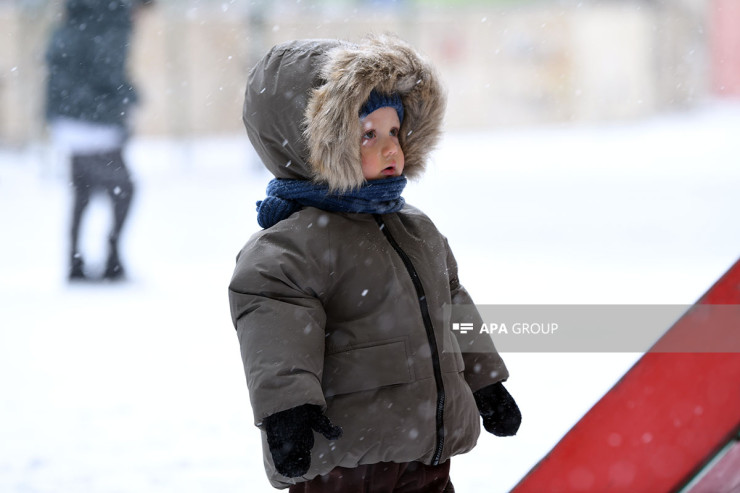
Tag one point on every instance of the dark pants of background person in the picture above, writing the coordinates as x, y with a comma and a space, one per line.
100, 172
384, 477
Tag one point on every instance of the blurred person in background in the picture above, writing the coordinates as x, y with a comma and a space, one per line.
88, 107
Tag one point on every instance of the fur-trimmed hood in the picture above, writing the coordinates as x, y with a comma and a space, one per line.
303, 98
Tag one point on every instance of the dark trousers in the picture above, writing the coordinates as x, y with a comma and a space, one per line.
384, 477
101, 172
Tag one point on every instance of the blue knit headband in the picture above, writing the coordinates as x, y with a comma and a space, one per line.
378, 100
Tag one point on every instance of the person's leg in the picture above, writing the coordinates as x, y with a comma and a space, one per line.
370, 478
120, 188
417, 477
82, 186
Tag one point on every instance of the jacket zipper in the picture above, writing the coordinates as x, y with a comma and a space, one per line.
430, 337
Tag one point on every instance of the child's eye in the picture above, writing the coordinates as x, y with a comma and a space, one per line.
369, 135
394, 132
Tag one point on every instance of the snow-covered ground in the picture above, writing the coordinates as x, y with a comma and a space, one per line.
138, 387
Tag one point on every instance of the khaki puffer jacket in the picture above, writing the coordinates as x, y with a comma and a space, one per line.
345, 310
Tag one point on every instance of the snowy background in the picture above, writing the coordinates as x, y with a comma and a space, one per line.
138, 387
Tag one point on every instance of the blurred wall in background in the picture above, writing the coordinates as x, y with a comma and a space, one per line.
504, 63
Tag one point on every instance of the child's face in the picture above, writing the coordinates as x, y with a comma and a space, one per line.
381, 152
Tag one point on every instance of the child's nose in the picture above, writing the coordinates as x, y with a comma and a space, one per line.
390, 148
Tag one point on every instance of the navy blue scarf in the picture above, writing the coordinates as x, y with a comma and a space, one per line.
284, 197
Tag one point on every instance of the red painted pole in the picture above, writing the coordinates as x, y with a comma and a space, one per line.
663, 421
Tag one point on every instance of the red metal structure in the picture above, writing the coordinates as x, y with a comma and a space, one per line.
665, 420
724, 45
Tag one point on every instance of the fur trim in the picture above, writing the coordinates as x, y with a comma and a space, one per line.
352, 71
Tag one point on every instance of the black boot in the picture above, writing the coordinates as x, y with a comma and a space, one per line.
113, 269
76, 269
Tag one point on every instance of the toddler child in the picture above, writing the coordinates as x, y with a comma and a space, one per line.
354, 378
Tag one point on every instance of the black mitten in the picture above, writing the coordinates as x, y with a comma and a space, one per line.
290, 437
501, 415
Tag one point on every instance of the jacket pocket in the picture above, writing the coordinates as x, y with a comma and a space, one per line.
366, 368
